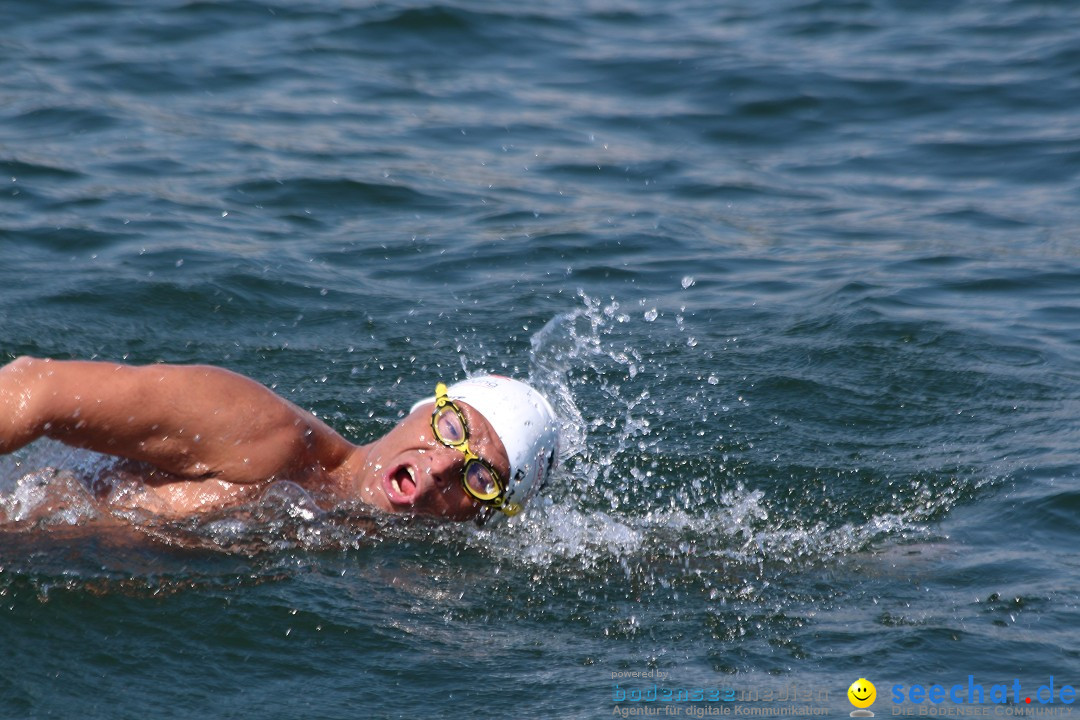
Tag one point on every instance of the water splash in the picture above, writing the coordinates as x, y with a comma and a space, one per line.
43, 486
656, 474
643, 486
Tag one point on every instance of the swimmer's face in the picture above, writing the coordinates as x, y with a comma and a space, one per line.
862, 693
409, 471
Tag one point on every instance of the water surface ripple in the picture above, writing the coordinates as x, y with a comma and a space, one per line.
800, 275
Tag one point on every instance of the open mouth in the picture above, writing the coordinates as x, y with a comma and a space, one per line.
400, 484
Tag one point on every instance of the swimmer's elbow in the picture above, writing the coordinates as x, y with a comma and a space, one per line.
19, 420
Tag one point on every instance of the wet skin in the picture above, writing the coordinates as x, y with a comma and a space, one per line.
409, 471
208, 438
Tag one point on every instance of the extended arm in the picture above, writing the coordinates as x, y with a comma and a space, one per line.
189, 421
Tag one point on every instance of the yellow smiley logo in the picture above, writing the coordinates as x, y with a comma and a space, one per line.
862, 693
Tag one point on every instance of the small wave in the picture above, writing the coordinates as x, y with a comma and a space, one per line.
326, 193
61, 121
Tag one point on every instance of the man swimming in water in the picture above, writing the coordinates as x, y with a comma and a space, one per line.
204, 438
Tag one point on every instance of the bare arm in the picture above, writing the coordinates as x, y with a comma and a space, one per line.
190, 421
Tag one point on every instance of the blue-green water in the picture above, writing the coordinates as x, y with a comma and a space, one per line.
802, 277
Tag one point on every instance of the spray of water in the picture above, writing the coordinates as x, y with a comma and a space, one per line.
624, 497
650, 472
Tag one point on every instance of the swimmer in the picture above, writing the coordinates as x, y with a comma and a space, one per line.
204, 438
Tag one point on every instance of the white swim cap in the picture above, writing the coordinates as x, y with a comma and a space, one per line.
525, 423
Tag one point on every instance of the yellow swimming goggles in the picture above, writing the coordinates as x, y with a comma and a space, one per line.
479, 479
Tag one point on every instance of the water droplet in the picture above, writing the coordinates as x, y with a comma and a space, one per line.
687, 281
651, 315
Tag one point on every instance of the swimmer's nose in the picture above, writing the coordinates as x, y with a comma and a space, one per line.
445, 465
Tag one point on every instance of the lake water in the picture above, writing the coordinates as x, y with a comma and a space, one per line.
801, 276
